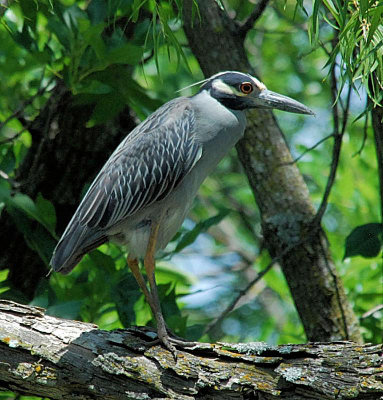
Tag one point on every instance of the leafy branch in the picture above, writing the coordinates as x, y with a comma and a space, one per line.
360, 43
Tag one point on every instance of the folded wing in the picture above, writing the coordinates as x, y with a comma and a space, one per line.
145, 168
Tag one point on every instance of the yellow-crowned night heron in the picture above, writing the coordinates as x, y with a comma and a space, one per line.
144, 191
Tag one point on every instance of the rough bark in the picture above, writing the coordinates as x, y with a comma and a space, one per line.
279, 190
46, 356
64, 155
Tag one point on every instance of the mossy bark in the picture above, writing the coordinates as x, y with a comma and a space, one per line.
55, 358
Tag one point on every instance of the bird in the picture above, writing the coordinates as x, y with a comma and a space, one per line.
143, 193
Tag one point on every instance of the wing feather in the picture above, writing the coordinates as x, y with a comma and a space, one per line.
145, 168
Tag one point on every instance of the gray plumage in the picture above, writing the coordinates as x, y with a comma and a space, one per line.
154, 174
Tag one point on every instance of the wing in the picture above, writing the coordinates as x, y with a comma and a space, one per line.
145, 168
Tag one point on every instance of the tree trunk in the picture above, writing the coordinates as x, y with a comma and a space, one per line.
51, 357
279, 190
63, 157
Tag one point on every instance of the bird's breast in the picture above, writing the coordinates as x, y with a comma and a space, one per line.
217, 137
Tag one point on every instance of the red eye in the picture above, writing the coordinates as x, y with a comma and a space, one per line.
246, 87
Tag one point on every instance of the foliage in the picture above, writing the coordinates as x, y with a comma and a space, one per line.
117, 53
359, 41
364, 240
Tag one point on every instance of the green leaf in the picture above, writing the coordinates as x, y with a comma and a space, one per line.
190, 236
126, 293
26, 204
92, 36
36, 236
47, 212
315, 18
137, 4
107, 108
8, 161
24, 38
97, 11
103, 261
375, 22
365, 240
125, 54
93, 87
43, 213
68, 309
63, 34
171, 311
5, 190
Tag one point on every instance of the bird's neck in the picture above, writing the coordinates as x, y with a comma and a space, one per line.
215, 122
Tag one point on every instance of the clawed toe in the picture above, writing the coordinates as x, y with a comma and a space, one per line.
170, 342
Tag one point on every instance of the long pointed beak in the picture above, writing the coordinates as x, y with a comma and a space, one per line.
269, 99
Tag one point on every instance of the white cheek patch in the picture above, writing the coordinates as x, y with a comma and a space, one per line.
261, 86
221, 86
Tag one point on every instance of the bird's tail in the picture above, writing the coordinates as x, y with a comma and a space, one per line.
72, 247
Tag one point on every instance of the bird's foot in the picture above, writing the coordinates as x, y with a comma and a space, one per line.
170, 340
178, 340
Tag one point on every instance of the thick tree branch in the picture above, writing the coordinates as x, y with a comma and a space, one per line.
56, 358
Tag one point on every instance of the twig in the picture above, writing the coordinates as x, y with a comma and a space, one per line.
364, 139
372, 311
244, 291
240, 209
26, 103
308, 150
14, 137
338, 136
240, 294
254, 16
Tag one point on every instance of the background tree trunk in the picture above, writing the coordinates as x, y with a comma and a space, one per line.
279, 190
63, 157
55, 358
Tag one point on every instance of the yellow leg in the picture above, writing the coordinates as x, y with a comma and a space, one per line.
152, 294
134, 267
149, 264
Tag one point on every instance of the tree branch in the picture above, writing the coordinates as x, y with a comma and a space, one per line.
258, 10
56, 358
314, 146
26, 103
241, 293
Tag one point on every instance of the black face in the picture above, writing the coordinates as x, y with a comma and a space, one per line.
232, 88
239, 91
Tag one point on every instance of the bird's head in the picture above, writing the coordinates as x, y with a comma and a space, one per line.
239, 91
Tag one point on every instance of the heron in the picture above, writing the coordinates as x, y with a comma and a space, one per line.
144, 191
